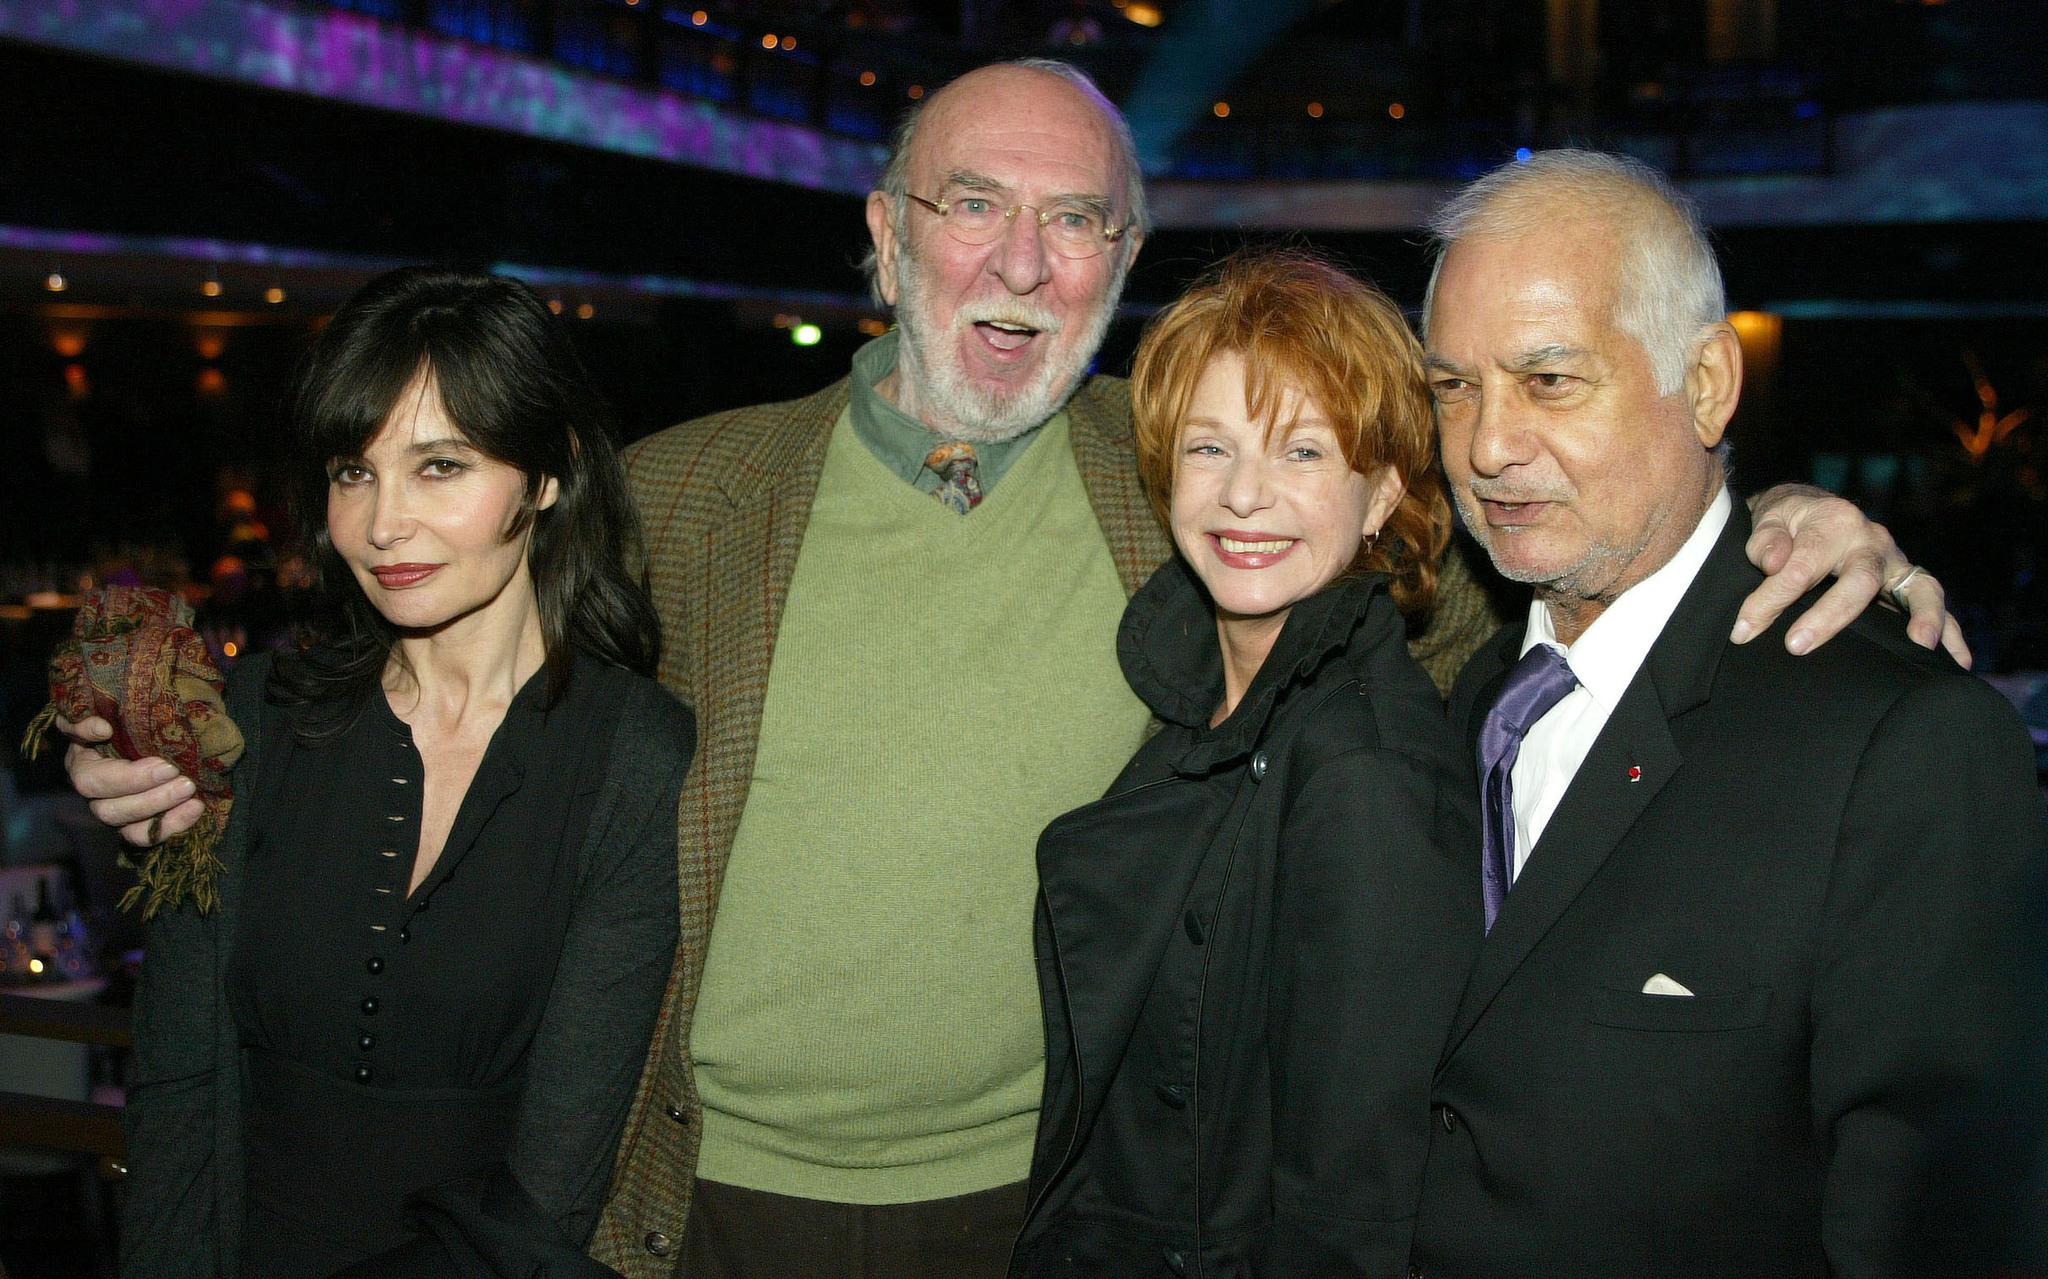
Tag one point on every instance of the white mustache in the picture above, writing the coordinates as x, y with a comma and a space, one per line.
1019, 317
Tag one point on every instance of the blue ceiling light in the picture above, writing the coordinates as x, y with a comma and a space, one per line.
1201, 49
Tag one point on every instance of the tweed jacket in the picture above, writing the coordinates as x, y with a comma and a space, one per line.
723, 503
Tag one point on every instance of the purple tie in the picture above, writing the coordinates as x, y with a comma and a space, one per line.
1538, 682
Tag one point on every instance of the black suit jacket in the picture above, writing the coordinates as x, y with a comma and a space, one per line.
1823, 849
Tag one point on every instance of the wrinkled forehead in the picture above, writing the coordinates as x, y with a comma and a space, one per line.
1559, 280
1030, 131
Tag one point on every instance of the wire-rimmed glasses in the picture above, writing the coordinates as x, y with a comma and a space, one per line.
1072, 231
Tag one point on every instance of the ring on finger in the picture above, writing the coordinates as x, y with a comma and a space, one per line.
1897, 589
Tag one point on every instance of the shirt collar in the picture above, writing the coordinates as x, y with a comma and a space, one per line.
1610, 652
901, 442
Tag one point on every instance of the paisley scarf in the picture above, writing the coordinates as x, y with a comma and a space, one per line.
134, 660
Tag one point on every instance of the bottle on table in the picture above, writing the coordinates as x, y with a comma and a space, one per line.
43, 926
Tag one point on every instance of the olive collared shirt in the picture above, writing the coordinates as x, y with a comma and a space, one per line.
900, 441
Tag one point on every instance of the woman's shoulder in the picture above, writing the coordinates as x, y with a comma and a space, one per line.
245, 681
1379, 698
651, 726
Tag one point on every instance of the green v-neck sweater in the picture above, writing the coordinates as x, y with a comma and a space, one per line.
868, 1026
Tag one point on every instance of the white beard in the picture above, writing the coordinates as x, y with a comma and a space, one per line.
951, 402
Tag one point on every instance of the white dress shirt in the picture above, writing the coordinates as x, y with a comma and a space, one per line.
1605, 660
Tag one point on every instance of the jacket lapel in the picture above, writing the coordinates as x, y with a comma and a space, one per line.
1631, 762
1115, 903
747, 560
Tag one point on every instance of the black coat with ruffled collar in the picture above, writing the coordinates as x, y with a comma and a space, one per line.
1250, 951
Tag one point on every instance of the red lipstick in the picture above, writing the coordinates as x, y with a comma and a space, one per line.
1264, 558
398, 576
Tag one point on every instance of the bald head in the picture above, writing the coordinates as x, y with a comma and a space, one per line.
1055, 98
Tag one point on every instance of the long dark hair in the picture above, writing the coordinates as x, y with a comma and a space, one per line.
511, 382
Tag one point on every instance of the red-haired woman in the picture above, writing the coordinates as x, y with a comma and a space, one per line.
1251, 949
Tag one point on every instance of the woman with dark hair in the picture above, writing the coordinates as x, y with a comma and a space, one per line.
406, 1040
1250, 949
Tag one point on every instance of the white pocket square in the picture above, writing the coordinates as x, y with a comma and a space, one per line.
1662, 985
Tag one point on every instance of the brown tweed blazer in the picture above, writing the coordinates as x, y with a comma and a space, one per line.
724, 501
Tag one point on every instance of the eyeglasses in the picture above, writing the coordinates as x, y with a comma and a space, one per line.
1070, 232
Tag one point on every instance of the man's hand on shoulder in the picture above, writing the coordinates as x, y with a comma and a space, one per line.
148, 800
1801, 535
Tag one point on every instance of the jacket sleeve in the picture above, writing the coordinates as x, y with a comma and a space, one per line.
1375, 925
1915, 976
181, 1208
593, 1038
171, 1212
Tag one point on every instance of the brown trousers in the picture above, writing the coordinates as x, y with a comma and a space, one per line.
735, 1233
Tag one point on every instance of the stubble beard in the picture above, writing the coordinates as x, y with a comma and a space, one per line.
951, 402
1586, 579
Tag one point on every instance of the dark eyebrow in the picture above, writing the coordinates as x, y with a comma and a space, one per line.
1542, 356
1434, 363
445, 444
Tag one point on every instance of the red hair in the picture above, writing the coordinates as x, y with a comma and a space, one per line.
1300, 322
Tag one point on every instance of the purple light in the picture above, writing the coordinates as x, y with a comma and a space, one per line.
356, 59
192, 249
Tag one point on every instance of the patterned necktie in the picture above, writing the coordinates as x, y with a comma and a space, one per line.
1538, 682
958, 487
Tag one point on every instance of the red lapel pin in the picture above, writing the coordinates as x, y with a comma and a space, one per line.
1635, 772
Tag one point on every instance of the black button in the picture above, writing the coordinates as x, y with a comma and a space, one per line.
366, 1041
404, 935
1193, 924
370, 1006
1448, 1118
1173, 1095
422, 906
1176, 1261
364, 1074
658, 1243
1259, 767
676, 1113
374, 964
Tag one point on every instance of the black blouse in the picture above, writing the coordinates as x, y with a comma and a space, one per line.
387, 1035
